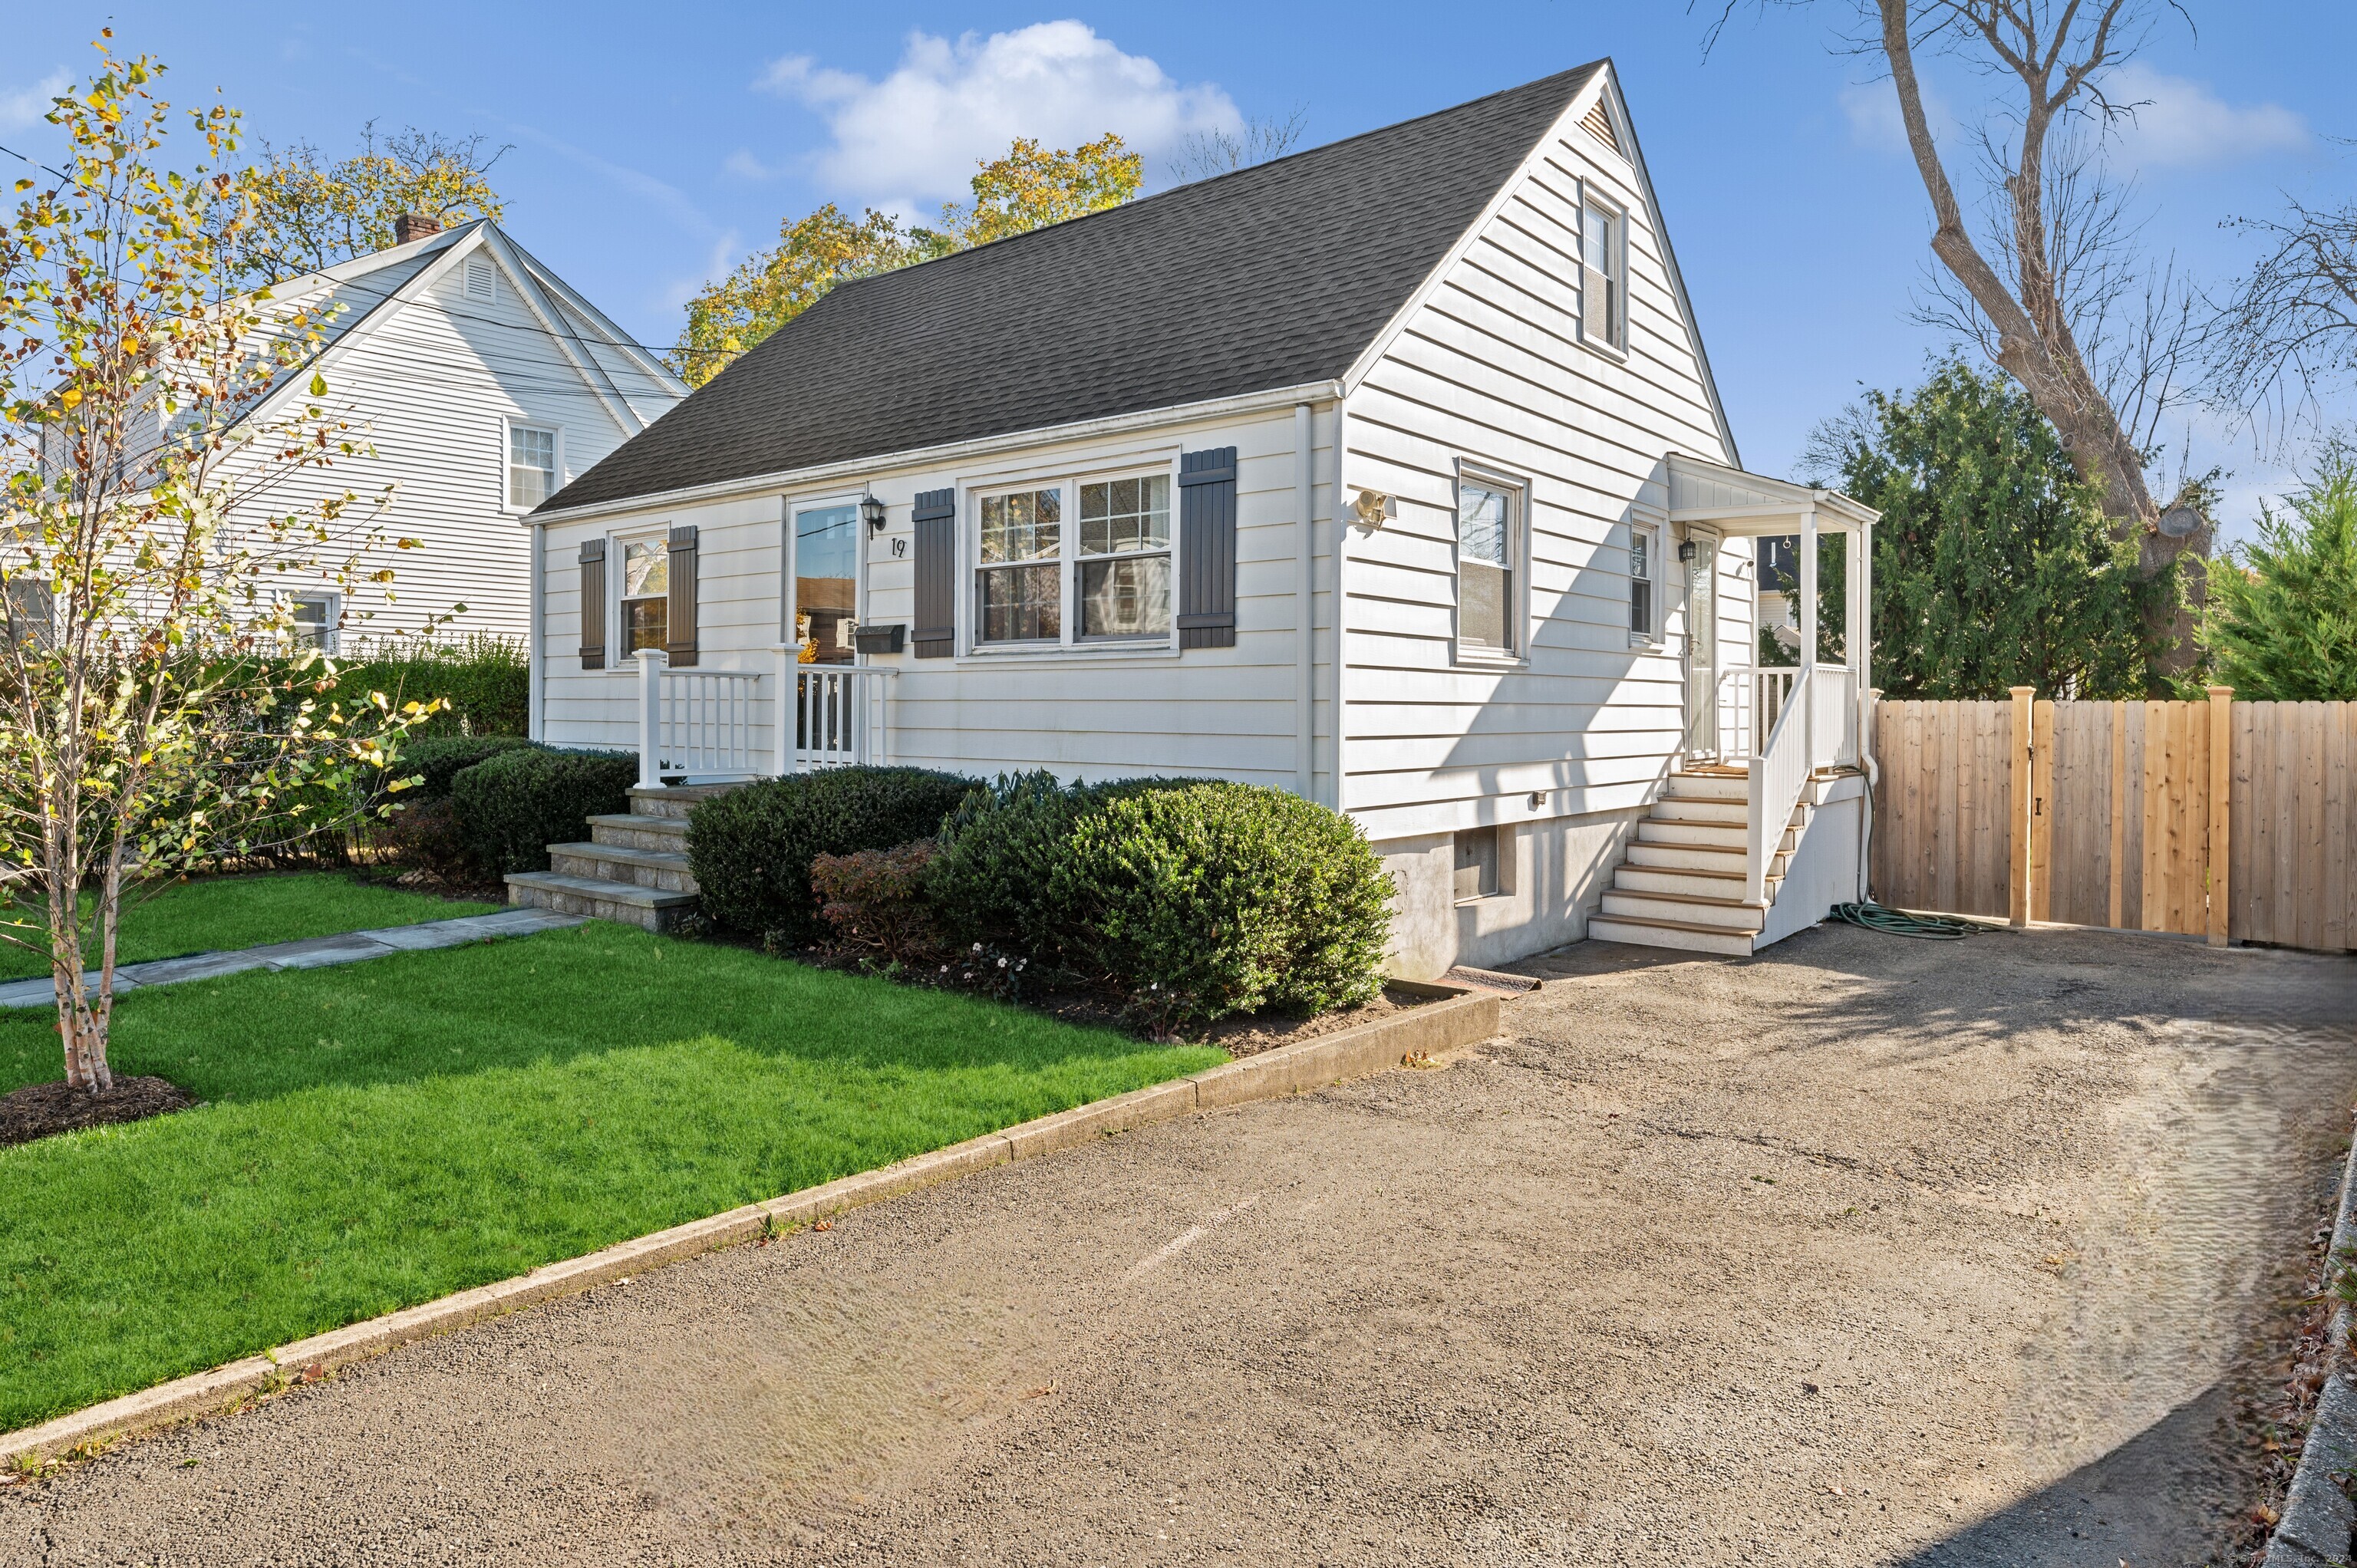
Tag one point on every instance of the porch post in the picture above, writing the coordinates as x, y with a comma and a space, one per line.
650, 671
1807, 676
783, 714
1861, 632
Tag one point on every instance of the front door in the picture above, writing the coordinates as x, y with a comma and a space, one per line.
1702, 645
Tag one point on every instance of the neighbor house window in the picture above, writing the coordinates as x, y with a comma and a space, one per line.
1485, 567
1124, 557
1018, 586
646, 594
1644, 609
314, 621
531, 465
1604, 257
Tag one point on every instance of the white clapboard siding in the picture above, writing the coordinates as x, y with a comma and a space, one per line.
1226, 712
1490, 369
429, 378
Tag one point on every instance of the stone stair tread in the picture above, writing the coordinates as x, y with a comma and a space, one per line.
668, 859
630, 893
676, 826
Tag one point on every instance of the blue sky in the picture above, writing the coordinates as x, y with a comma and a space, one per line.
654, 146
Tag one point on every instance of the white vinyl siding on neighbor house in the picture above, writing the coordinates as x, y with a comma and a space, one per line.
1491, 372
439, 386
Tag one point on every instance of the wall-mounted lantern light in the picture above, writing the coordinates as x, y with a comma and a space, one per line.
1687, 550
871, 512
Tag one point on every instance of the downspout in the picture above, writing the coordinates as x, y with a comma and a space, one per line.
536, 672
1305, 603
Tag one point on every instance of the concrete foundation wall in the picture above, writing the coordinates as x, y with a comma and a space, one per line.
1553, 874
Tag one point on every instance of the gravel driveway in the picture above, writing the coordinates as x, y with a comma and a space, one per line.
1863, 1251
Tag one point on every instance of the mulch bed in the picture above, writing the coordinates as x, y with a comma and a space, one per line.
39, 1110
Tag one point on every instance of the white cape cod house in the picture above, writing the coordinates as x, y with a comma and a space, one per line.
1390, 472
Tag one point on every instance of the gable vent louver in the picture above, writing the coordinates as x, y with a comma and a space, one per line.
482, 279
1600, 124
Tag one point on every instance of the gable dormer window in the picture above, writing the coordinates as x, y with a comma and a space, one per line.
483, 280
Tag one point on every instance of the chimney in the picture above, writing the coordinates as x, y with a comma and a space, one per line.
414, 226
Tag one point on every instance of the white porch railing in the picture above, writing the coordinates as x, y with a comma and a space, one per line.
1778, 772
707, 725
695, 722
1751, 698
838, 717
1833, 739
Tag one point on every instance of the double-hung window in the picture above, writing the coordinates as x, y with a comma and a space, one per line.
315, 617
1087, 561
1604, 275
1018, 586
1486, 590
1123, 566
531, 465
1644, 607
646, 594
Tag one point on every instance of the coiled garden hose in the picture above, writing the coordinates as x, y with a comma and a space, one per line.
1899, 923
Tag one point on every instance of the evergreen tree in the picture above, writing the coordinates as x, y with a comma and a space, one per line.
2283, 612
1994, 566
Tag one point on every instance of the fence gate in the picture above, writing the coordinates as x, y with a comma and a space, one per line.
2227, 820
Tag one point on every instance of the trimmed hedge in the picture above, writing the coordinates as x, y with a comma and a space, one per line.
513, 806
1190, 899
751, 848
438, 760
486, 681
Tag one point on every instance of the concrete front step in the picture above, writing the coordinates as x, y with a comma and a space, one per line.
1686, 937
664, 870
1685, 908
622, 901
624, 830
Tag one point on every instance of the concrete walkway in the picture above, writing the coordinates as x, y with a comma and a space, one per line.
313, 952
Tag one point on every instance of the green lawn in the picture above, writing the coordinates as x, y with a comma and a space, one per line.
385, 1132
222, 912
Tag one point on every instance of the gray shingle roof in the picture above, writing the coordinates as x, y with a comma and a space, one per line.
1271, 276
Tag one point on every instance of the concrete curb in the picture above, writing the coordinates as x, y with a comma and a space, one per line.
1454, 1018
2319, 1521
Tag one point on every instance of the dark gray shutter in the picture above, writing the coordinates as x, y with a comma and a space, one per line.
679, 620
593, 603
936, 522
1206, 545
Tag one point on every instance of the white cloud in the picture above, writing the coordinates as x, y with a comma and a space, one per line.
25, 107
916, 135
2177, 123
1872, 109
745, 166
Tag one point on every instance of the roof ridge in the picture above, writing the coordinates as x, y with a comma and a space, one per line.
1142, 201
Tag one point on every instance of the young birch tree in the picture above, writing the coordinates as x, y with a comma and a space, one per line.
150, 721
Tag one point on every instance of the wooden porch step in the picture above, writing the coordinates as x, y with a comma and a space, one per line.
1682, 935
1719, 913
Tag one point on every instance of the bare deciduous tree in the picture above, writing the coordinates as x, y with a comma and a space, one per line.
2288, 330
1207, 153
2053, 292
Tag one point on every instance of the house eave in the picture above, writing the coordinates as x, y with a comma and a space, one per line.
769, 483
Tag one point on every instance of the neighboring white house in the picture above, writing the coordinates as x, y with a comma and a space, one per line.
1089, 499
483, 382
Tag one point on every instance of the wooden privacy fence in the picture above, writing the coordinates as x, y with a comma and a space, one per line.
2112, 814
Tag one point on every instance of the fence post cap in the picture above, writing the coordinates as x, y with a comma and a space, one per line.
2218, 692
2023, 691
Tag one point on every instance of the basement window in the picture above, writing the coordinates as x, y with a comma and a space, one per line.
1477, 864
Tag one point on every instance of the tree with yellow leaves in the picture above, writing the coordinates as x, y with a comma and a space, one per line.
1028, 188
306, 212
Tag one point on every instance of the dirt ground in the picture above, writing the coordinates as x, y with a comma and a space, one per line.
1863, 1251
